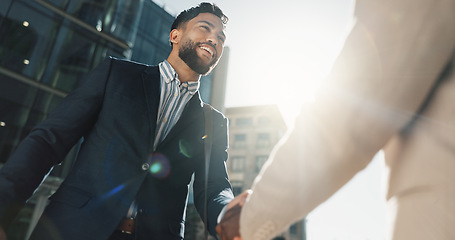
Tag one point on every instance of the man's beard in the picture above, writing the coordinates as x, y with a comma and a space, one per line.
189, 55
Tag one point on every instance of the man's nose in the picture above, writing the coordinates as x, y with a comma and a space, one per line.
212, 39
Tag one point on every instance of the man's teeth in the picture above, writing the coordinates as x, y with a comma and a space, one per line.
208, 50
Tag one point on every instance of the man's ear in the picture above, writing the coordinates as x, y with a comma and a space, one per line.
174, 36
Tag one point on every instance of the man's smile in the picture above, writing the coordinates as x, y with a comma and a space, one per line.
209, 50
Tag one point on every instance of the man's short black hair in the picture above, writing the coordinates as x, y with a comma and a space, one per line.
187, 15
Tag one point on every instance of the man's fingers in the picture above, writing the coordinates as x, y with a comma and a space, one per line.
239, 199
233, 212
244, 196
228, 228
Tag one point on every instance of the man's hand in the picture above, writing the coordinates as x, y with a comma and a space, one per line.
2, 234
228, 228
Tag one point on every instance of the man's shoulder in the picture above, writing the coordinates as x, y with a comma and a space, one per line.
124, 61
130, 66
217, 113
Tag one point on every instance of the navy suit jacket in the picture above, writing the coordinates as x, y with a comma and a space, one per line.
115, 111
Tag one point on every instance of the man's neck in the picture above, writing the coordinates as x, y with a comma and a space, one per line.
185, 73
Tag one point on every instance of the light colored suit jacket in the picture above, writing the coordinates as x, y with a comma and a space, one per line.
387, 69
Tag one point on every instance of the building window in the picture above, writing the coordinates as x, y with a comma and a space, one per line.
263, 140
237, 164
260, 160
244, 122
293, 229
239, 141
264, 121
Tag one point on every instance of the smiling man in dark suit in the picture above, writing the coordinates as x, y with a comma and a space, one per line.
143, 130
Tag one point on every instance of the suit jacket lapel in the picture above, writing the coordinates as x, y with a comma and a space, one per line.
151, 83
192, 113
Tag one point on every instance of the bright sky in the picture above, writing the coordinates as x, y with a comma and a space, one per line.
279, 51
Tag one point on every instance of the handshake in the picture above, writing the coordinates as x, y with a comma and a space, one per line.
228, 226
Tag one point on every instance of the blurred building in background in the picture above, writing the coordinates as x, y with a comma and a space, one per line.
253, 132
46, 46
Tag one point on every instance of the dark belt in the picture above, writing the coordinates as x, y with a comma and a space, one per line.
126, 226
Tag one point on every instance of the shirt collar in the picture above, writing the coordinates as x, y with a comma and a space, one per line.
167, 72
169, 75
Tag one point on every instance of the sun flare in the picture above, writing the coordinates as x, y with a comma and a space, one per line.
301, 84
292, 77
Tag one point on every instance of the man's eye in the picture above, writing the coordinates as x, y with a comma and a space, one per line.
206, 28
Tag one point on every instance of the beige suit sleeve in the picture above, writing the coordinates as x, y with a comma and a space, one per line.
388, 64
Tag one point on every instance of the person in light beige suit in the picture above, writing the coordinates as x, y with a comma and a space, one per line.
392, 87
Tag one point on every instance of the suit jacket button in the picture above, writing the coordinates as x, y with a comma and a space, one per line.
145, 166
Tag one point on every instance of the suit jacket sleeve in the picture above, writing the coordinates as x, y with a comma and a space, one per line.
219, 188
385, 70
48, 143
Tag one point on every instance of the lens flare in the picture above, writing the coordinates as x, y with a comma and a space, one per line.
159, 165
114, 191
185, 148
156, 168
